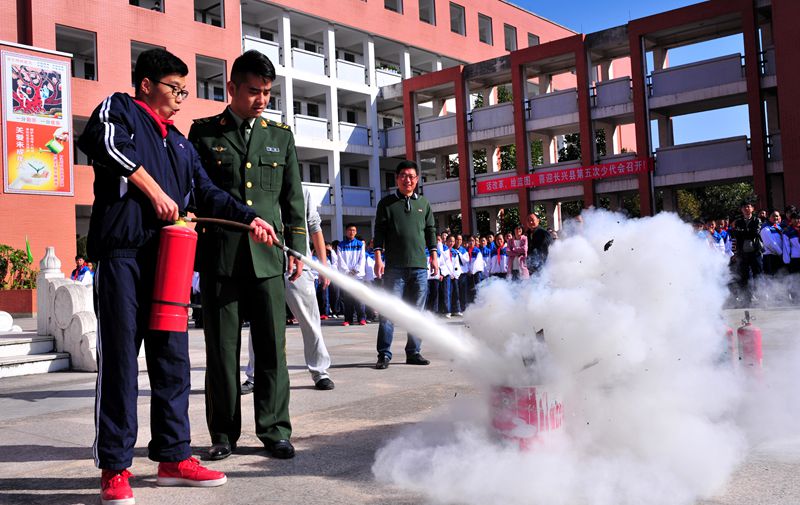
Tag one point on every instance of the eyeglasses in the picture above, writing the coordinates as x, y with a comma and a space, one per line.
176, 91
406, 176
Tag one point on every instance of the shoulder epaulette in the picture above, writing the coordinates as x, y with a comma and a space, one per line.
203, 120
279, 125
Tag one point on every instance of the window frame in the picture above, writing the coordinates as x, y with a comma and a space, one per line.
431, 4
506, 28
484, 18
463, 14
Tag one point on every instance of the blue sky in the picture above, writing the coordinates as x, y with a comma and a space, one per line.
590, 16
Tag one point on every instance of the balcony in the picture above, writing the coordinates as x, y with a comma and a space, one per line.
699, 156
495, 116
384, 77
354, 134
613, 92
306, 61
696, 76
395, 136
313, 127
319, 194
557, 103
274, 115
351, 72
436, 127
355, 196
438, 192
271, 50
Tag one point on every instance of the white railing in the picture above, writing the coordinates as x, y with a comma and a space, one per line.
351, 72
355, 196
307, 126
307, 61
553, 104
271, 50
436, 127
385, 77
320, 194
274, 115
354, 134
720, 153
493, 116
395, 136
613, 92
442, 191
697, 75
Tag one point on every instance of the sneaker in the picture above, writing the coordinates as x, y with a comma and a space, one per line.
115, 489
323, 317
346, 323
383, 363
324, 384
458, 314
247, 387
363, 322
448, 316
416, 359
188, 473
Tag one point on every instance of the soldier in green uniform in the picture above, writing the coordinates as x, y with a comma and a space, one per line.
254, 160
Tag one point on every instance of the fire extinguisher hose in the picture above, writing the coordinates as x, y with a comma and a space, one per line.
241, 227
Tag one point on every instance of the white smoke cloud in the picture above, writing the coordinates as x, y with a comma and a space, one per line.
633, 344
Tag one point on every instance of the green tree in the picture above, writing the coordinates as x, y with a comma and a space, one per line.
571, 150
452, 163
508, 157
479, 161
504, 95
482, 222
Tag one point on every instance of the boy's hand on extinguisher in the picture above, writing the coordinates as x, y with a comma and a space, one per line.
263, 232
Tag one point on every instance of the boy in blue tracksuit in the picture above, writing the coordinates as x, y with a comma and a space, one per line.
146, 173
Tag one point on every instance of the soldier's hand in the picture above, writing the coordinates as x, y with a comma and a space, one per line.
295, 268
165, 207
263, 232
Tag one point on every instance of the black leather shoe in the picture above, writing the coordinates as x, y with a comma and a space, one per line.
416, 359
220, 451
383, 363
324, 384
247, 387
282, 449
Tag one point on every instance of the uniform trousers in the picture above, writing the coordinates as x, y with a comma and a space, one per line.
123, 288
301, 298
227, 301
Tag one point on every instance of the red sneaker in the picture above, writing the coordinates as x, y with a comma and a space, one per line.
363, 322
188, 473
114, 488
323, 317
345, 323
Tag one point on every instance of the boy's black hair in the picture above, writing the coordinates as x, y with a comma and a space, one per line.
155, 64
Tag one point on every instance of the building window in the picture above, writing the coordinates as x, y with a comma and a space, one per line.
153, 5
511, 37
294, 43
297, 107
458, 20
485, 29
349, 57
351, 116
310, 47
312, 109
266, 35
388, 180
427, 11
210, 78
83, 46
387, 122
315, 173
533, 40
394, 5
353, 176
210, 12
138, 48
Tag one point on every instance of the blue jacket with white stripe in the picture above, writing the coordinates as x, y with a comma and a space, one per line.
121, 137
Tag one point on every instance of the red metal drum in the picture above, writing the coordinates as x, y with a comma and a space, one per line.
173, 281
524, 414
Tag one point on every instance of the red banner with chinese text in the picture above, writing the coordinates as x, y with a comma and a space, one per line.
565, 176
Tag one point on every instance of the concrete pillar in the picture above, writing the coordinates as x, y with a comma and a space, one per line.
553, 213
606, 72
287, 95
369, 60
405, 63
335, 178
549, 149
665, 133
670, 200
329, 45
285, 39
545, 82
437, 64
494, 223
773, 125
659, 58
374, 159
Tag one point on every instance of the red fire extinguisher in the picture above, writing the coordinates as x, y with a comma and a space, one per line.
750, 352
173, 281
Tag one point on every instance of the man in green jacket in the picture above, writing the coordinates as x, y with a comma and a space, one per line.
254, 160
404, 229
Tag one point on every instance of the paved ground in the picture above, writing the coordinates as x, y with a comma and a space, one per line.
46, 429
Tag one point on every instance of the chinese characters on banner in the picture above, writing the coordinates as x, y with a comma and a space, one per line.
565, 176
37, 143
